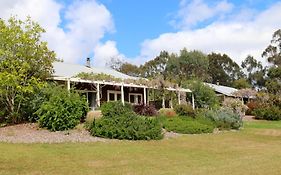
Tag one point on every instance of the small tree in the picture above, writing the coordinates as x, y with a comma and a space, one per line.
25, 62
204, 96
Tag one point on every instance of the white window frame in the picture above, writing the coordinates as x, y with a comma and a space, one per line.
113, 92
135, 95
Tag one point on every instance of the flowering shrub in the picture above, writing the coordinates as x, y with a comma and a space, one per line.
236, 105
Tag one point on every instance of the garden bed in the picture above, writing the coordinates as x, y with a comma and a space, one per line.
31, 133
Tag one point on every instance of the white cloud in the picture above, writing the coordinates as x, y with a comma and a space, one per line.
105, 52
237, 38
193, 12
86, 24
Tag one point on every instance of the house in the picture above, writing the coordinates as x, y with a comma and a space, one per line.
223, 91
229, 92
100, 91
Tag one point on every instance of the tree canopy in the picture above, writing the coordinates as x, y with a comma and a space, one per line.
25, 62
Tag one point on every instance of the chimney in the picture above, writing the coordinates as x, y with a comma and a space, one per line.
88, 62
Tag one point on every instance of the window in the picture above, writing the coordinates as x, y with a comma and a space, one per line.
113, 95
135, 98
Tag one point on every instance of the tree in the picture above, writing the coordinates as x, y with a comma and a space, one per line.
124, 67
25, 63
156, 67
188, 65
241, 83
255, 71
204, 96
223, 69
273, 55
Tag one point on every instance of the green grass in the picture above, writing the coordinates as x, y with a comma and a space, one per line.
253, 150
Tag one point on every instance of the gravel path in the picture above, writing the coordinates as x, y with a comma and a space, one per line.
31, 133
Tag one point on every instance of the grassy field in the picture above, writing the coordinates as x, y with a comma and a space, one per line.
254, 150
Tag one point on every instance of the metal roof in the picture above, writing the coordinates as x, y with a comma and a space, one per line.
228, 91
68, 70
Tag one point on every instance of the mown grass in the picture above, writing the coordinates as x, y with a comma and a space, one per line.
253, 150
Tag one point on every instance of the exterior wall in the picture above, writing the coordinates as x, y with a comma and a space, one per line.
127, 90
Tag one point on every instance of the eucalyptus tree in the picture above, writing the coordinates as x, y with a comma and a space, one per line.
273, 55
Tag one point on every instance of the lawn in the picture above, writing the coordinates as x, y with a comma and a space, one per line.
256, 149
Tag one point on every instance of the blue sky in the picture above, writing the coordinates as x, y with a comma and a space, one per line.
136, 21
136, 31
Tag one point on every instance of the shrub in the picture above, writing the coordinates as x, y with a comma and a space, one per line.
225, 118
251, 107
120, 122
62, 111
187, 126
146, 110
115, 109
236, 105
268, 113
127, 127
167, 112
185, 110
90, 117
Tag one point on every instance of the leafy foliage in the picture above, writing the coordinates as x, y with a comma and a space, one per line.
204, 96
225, 118
255, 71
25, 63
116, 108
167, 112
252, 105
187, 126
62, 111
268, 113
120, 122
223, 69
236, 105
130, 127
185, 110
145, 110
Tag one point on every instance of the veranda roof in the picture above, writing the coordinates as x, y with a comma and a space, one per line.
67, 72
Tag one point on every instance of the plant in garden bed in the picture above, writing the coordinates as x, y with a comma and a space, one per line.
224, 118
145, 110
186, 125
121, 122
167, 112
185, 110
62, 111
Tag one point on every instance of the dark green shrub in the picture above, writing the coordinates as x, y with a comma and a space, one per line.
187, 125
130, 127
225, 118
116, 108
268, 113
167, 112
185, 110
62, 111
145, 110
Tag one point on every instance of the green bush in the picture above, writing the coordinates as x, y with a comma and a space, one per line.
62, 111
127, 127
268, 113
187, 125
167, 112
116, 108
225, 118
120, 122
185, 110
